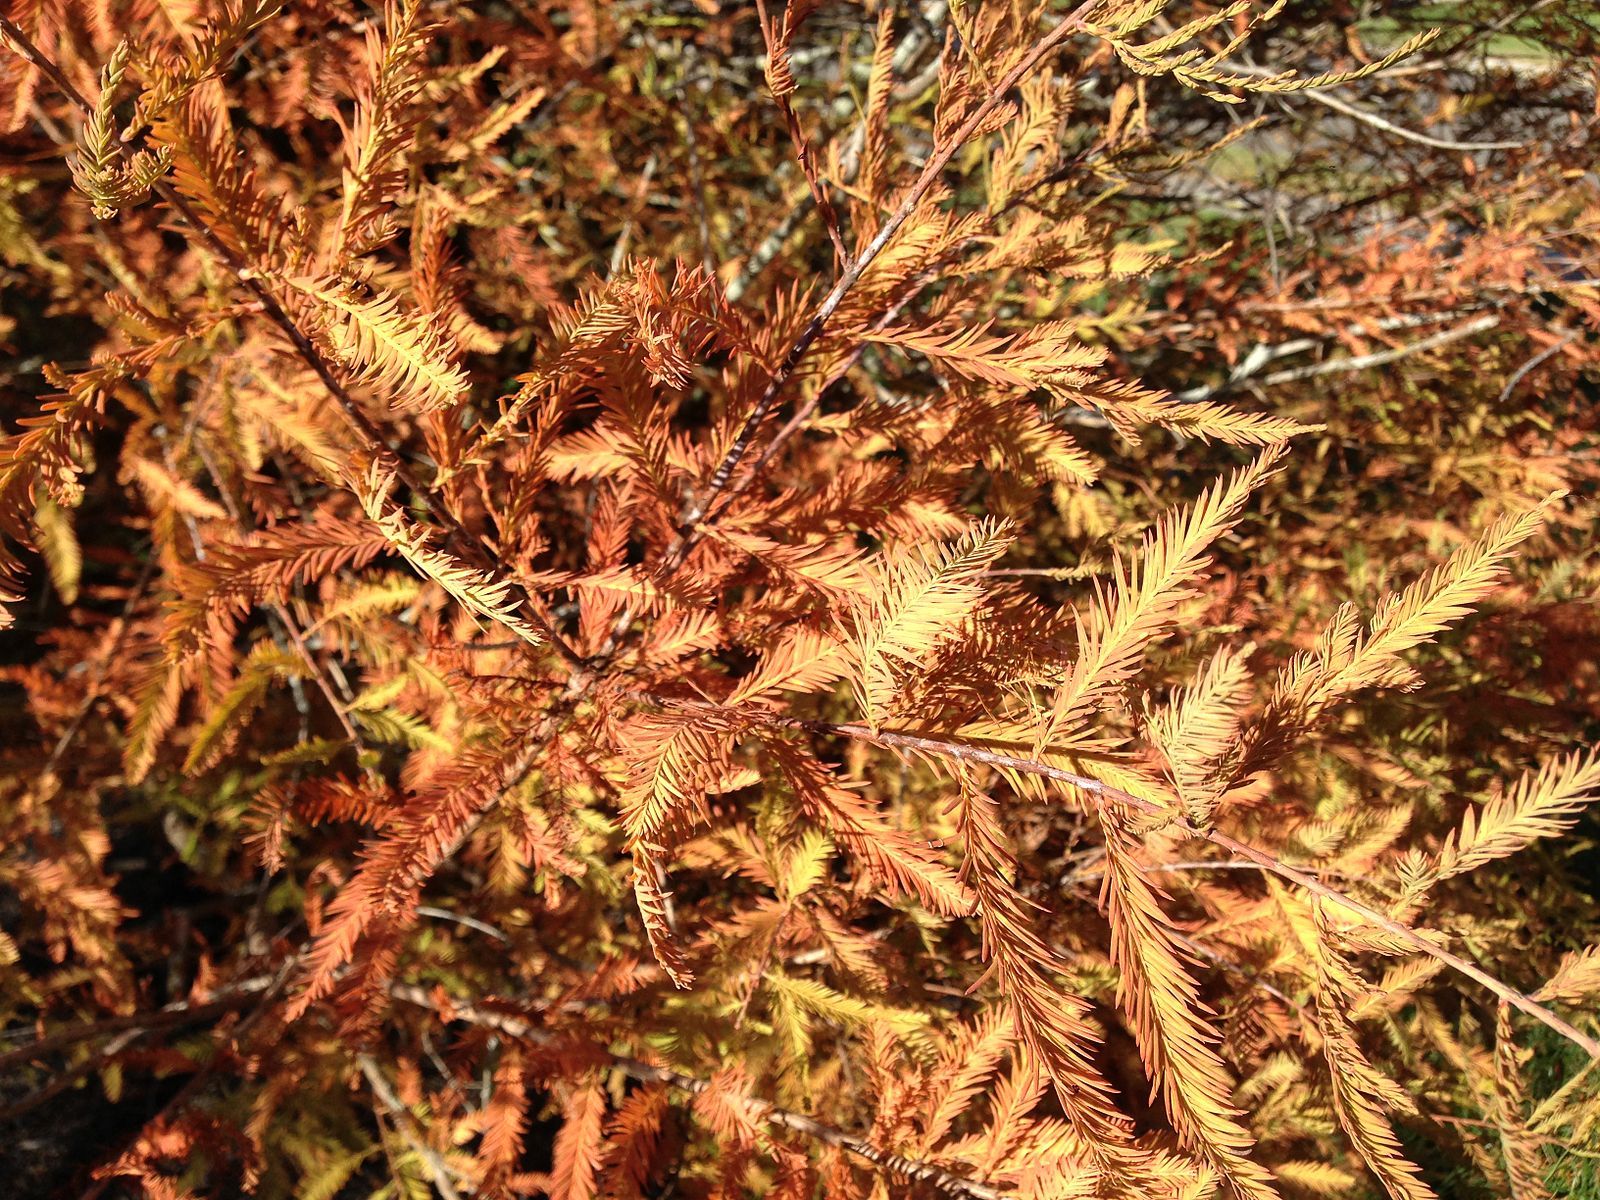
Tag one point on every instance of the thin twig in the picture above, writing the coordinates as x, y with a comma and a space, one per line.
438, 1170
200, 1078
1533, 364
286, 619
444, 914
708, 260
101, 667
1361, 362
802, 146
182, 1013
619, 252
63, 1081
1260, 356
768, 250
1373, 119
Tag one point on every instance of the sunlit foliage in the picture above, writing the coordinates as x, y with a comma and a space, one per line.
851, 600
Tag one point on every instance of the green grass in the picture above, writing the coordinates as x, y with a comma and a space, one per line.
1574, 1173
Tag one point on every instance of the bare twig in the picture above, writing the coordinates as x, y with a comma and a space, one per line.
439, 1171
802, 147
203, 1076
619, 252
1262, 355
1361, 362
64, 1081
102, 665
1533, 364
444, 914
182, 1013
769, 247
1327, 100
708, 260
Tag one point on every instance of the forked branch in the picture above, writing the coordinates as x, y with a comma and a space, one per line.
937, 161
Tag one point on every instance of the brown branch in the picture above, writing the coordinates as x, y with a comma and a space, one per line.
808, 409
759, 1110
64, 1081
439, 1171
802, 148
173, 1014
707, 509
203, 1075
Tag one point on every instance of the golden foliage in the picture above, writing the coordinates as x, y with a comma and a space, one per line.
917, 600
1546, 803
1169, 1020
402, 355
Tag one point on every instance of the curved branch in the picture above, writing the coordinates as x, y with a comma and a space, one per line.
963, 752
1377, 122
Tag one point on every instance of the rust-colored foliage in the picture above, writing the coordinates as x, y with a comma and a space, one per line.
813, 599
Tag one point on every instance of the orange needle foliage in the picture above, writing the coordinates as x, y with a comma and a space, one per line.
851, 600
